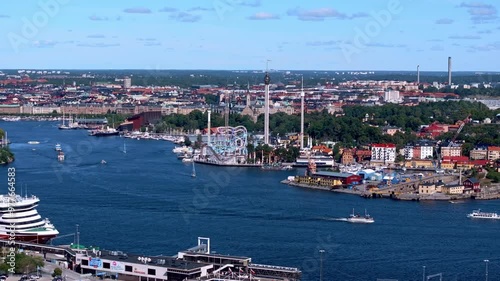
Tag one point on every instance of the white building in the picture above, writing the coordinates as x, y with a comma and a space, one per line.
385, 152
127, 83
392, 96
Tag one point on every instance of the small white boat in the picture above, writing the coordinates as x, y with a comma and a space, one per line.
60, 156
477, 214
356, 218
33, 142
187, 160
58, 147
103, 162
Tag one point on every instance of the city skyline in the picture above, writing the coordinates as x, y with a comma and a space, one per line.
243, 34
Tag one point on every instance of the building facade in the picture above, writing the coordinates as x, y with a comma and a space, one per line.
385, 153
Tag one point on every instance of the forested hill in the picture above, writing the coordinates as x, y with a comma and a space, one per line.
350, 128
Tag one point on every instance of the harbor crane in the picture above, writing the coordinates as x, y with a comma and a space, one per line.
452, 141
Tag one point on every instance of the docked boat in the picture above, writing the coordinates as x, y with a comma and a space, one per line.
319, 160
187, 160
356, 218
104, 132
477, 214
20, 219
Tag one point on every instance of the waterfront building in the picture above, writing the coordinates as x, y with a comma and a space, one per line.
452, 189
195, 263
479, 153
493, 153
472, 183
427, 188
332, 179
385, 153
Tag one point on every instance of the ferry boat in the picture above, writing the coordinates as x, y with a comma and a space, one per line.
477, 214
20, 219
320, 160
356, 218
104, 132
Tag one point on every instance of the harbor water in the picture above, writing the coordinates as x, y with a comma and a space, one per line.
145, 201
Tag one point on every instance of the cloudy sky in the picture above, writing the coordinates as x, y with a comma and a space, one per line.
243, 34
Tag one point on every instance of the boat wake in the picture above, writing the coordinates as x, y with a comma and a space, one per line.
334, 219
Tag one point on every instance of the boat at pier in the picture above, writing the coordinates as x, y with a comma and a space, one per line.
104, 132
356, 218
477, 214
20, 219
320, 160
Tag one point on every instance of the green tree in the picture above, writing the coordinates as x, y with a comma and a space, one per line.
23, 264
57, 272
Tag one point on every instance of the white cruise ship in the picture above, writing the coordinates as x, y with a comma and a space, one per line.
477, 214
20, 219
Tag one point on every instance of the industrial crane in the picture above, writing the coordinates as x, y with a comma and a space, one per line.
452, 141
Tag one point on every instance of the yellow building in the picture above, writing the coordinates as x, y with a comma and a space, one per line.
427, 188
453, 189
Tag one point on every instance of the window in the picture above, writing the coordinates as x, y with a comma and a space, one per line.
85, 262
105, 265
128, 268
151, 271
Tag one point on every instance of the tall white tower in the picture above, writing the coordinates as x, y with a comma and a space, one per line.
418, 74
449, 70
267, 80
302, 114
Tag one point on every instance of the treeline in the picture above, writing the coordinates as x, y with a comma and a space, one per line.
351, 129
463, 92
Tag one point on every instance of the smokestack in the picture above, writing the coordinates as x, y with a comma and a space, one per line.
208, 136
302, 114
449, 70
418, 74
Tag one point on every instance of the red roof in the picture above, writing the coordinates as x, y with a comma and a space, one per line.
386, 145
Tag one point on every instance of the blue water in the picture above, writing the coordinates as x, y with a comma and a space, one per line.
145, 201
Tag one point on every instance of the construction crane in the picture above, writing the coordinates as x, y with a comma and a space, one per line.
452, 141
462, 125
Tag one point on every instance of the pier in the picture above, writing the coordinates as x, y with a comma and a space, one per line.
196, 263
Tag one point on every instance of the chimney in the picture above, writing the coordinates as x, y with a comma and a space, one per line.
449, 70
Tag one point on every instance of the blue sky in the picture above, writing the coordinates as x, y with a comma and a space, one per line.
243, 34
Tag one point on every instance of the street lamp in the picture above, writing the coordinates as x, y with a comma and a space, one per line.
321, 264
486, 269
